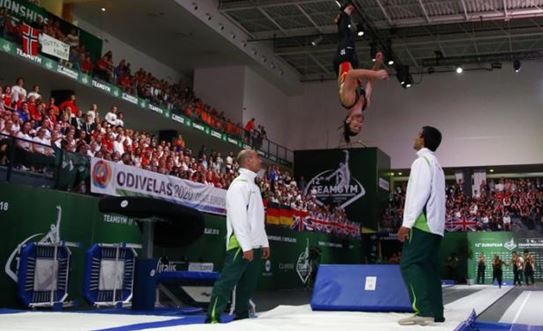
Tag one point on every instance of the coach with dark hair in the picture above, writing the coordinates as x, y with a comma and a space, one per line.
422, 231
246, 241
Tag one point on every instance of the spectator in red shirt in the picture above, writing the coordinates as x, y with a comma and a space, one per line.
70, 103
53, 109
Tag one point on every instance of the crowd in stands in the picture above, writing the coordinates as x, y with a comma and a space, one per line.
174, 96
44, 126
500, 205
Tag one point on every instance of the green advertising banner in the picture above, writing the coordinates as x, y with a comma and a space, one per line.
490, 244
355, 179
31, 13
30, 214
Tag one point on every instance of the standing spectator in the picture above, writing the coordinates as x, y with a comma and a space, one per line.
89, 126
120, 119
71, 104
35, 93
104, 67
506, 221
93, 113
111, 116
302, 184
18, 92
52, 108
249, 128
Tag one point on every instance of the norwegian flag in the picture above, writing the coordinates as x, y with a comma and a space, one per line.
30, 40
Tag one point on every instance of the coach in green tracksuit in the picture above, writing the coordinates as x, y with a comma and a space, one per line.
246, 241
422, 231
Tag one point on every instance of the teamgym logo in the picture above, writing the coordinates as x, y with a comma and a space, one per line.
510, 245
101, 174
337, 185
303, 265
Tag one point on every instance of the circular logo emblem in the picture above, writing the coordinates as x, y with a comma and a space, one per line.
152, 273
101, 174
268, 265
124, 203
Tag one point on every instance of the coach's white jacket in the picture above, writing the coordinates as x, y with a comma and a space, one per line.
245, 213
425, 200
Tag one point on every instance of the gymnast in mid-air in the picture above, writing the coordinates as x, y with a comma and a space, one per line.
353, 95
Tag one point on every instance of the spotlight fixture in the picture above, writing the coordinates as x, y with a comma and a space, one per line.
403, 75
316, 41
360, 31
221, 27
390, 62
244, 43
459, 70
338, 3
103, 9
208, 17
399, 173
232, 35
373, 51
431, 70
491, 170
195, 5
516, 65
254, 51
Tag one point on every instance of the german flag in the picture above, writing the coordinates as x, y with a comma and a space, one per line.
273, 214
287, 216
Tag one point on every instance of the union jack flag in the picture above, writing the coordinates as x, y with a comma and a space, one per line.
461, 225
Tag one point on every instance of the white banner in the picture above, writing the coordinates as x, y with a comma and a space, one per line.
117, 179
54, 47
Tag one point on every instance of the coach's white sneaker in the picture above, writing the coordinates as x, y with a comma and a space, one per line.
417, 320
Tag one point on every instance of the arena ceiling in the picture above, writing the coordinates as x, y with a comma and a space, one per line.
424, 34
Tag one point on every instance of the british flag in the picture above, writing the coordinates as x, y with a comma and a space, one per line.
30, 40
461, 225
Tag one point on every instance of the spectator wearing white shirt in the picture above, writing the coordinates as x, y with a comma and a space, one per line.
18, 92
507, 221
24, 137
42, 140
111, 116
120, 119
35, 92
93, 113
118, 146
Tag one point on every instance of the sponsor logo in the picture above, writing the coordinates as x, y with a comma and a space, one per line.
198, 126
32, 58
49, 65
130, 98
67, 72
286, 266
101, 86
6, 47
336, 184
156, 109
267, 265
232, 141
169, 266
101, 174
216, 134
118, 219
178, 118
211, 231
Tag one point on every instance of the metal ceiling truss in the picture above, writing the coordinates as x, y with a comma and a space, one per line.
464, 31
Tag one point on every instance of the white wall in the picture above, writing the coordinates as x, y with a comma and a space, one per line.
267, 104
222, 88
487, 118
137, 58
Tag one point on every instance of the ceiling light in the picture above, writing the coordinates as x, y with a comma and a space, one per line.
459, 70
338, 3
221, 27
316, 41
390, 62
103, 9
208, 17
491, 170
516, 65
